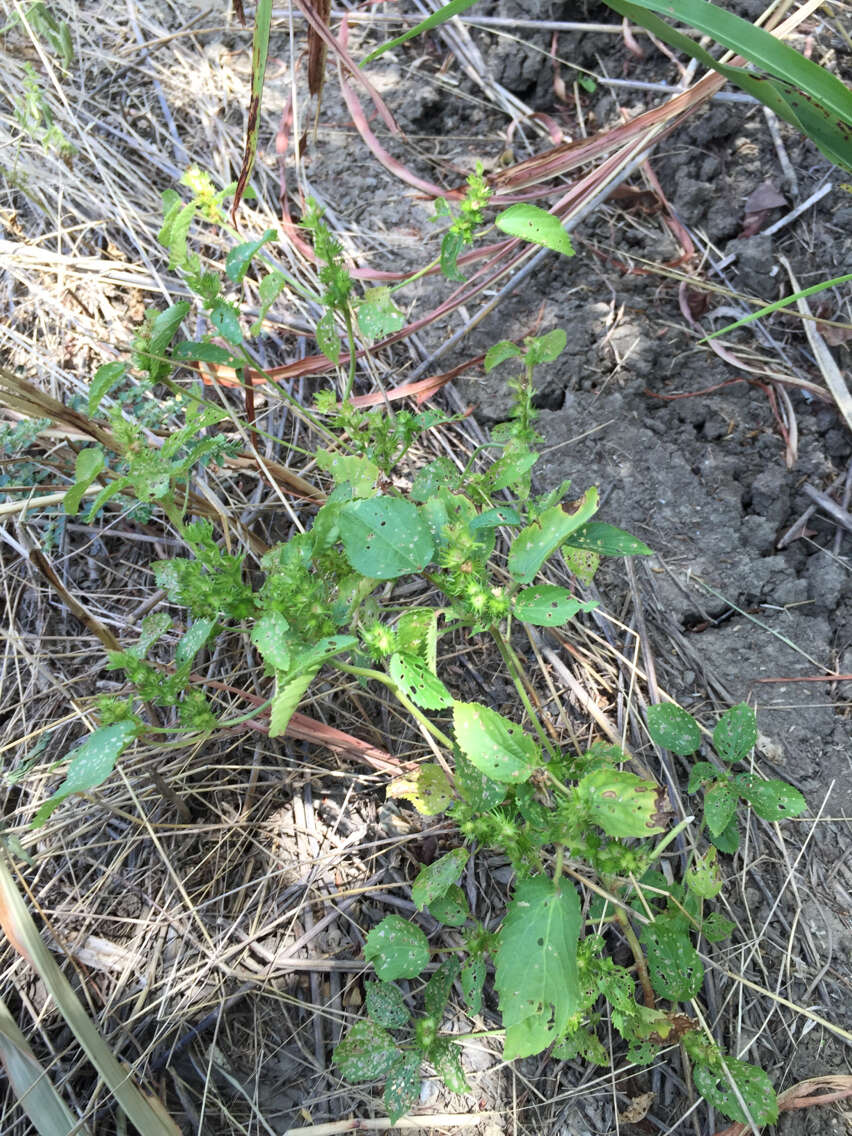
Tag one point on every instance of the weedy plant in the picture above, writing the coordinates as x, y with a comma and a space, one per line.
478, 538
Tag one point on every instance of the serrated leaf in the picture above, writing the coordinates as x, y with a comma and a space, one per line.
735, 735
497, 747
583, 1043
480, 792
88, 465
446, 1058
437, 992
286, 701
754, 1086
106, 377
672, 728
385, 537
535, 225
498, 353
548, 606
386, 1005
397, 949
532, 546
622, 804
700, 773
451, 908
607, 540
154, 627
581, 562
415, 630
415, 680
89, 765
472, 981
427, 788
492, 518
269, 635
271, 286
321, 651
703, 876
545, 348
367, 1052
402, 1088
240, 257
720, 804
378, 315
327, 337
674, 967
434, 880
771, 800
716, 927
536, 977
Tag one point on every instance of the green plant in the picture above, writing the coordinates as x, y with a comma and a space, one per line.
34, 117
478, 538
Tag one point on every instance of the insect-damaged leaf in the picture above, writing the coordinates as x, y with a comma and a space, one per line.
535, 225
754, 1086
674, 729
91, 764
735, 735
385, 537
497, 747
538, 540
435, 879
402, 1088
548, 606
427, 788
365, 1053
386, 1005
397, 949
415, 679
623, 804
674, 966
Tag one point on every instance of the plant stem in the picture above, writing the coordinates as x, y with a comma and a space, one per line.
639, 958
350, 338
414, 711
508, 657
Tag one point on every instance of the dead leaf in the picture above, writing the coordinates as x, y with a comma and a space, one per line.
638, 1109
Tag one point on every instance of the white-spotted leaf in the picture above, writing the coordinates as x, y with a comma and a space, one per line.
753, 1083
497, 747
771, 800
445, 1056
675, 969
720, 804
414, 679
452, 907
367, 1052
674, 729
538, 540
90, 765
385, 537
548, 606
402, 1088
386, 1005
434, 880
269, 635
397, 949
735, 735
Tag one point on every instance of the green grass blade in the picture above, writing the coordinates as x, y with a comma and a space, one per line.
778, 304
454, 8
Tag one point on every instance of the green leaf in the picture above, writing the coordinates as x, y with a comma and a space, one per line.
728, 840
88, 465
286, 701
581, 562
240, 257
397, 949
536, 226
386, 1005
703, 876
672, 728
735, 735
154, 627
269, 635
415, 680
378, 315
622, 804
771, 800
270, 288
106, 494
674, 967
106, 377
427, 788
493, 518
192, 640
445, 12
451, 245
499, 352
536, 978
163, 330
445, 1056
321, 651
537, 541
716, 927
367, 1052
440, 472
226, 319
720, 804
700, 773
607, 540
452, 908
480, 792
435, 879
327, 337
437, 992
755, 1089
545, 348
548, 606
509, 469
361, 473
205, 353
402, 1088
385, 537
472, 981
497, 747
415, 630
90, 765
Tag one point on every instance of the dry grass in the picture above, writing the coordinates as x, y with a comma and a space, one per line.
209, 904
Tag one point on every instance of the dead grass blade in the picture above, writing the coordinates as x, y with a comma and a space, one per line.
21, 932
259, 53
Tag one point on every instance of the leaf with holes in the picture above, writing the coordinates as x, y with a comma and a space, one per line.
497, 747
699, 774
367, 1052
581, 562
472, 981
437, 992
754, 1085
269, 635
427, 788
537, 541
438, 473
397, 949
536, 976
327, 337
493, 518
622, 804
90, 765
536, 226
548, 606
402, 1088
674, 966
320, 652
607, 540
703, 876
735, 735
445, 1056
672, 728
415, 680
451, 908
360, 473
716, 927
720, 804
385, 537
378, 315
510, 469
386, 1005
480, 792
771, 800
433, 880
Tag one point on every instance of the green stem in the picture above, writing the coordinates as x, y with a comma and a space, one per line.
666, 841
507, 655
227, 724
350, 337
638, 956
403, 699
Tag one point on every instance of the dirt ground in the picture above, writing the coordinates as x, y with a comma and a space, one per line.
250, 972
